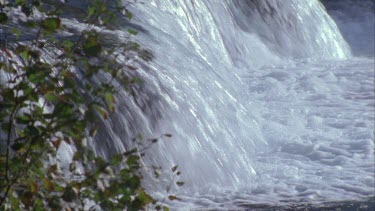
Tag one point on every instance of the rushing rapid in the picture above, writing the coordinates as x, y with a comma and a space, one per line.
265, 101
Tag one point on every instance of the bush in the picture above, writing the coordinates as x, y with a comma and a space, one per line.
54, 91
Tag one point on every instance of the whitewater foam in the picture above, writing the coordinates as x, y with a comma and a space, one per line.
266, 107
264, 101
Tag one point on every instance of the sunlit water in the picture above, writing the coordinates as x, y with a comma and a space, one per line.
264, 99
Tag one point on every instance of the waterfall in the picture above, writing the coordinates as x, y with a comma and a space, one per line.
248, 88
269, 102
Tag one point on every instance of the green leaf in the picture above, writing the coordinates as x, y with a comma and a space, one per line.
51, 24
134, 182
63, 111
165, 208
132, 31
16, 32
69, 82
91, 11
91, 46
130, 152
116, 160
36, 3
3, 18
23, 119
174, 168
5, 127
32, 23
133, 46
69, 195
128, 14
2, 159
90, 155
77, 156
38, 204
18, 146
136, 80
172, 197
23, 50
14, 201
68, 44
144, 197
50, 97
33, 187
8, 94
38, 72
26, 198
54, 203
109, 99
20, 2
101, 164
132, 160
139, 137
31, 131
102, 111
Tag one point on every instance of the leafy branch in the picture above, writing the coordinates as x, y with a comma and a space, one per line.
52, 95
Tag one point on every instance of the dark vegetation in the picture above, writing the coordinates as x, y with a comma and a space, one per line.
55, 91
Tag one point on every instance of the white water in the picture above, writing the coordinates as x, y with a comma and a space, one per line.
263, 98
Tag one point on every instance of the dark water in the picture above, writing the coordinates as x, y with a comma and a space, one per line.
356, 21
368, 205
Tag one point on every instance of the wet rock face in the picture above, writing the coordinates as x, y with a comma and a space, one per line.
355, 19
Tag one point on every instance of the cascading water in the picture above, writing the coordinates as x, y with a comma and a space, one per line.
263, 98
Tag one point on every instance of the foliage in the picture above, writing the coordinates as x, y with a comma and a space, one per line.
46, 103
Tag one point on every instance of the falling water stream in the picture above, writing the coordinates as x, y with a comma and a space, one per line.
268, 101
